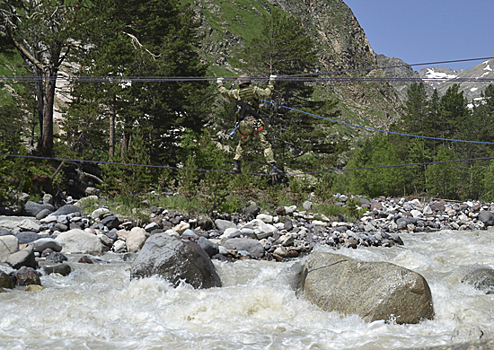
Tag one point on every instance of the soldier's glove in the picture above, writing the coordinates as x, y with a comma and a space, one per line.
219, 80
272, 77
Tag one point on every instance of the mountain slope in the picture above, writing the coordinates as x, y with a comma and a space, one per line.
341, 43
471, 89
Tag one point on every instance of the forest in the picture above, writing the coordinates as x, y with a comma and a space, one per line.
144, 116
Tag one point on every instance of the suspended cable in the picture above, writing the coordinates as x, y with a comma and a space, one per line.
306, 77
378, 130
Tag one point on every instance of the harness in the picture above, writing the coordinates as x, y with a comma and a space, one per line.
242, 107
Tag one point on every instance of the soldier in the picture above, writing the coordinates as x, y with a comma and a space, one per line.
249, 122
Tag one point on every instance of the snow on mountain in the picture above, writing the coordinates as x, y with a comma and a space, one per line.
441, 78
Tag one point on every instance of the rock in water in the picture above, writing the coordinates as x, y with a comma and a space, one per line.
372, 290
175, 260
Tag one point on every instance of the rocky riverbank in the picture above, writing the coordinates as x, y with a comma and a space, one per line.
43, 234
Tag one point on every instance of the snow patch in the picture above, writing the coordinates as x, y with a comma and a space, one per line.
431, 74
474, 89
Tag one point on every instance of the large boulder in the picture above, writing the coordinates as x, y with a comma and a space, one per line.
79, 241
175, 260
372, 290
8, 245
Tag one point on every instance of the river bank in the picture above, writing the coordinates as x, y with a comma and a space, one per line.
98, 306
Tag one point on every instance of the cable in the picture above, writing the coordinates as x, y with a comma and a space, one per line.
306, 77
379, 130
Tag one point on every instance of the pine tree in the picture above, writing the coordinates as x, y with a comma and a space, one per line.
284, 49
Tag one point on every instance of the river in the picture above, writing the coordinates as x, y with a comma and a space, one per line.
98, 307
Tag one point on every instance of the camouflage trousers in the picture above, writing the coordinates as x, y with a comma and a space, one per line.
246, 131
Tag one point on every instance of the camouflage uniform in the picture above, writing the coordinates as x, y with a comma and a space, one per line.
250, 125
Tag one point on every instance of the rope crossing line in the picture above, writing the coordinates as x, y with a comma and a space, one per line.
306, 77
378, 130
247, 173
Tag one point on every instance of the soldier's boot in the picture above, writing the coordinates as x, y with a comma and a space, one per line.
236, 166
275, 170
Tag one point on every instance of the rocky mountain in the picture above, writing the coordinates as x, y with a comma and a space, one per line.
472, 89
341, 43
399, 69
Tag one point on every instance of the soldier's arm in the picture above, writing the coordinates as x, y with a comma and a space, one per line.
264, 93
230, 94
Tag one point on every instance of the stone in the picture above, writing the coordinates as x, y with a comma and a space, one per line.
68, 209
209, 247
253, 246
268, 219
224, 224
260, 228
79, 241
100, 213
486, 217
56, 257
175, 260
43, 214
8, 245
481, 279
119, 246
34, 288
26, 276
24, 257
33, 208
44, 243
136, 239
372, 290
181, 227
6, 281
110, 221
19, 224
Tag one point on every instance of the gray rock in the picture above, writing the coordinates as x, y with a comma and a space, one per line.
372, 290
481, 279
4, 232
43, 214
175, 260
62, 269
78, 241
209, 247
110, 221
33, 208
27, 237
56, 257
253, 246
486, 217
18, 224
260, 228
68, 209
224, 224
24, 257
8, 245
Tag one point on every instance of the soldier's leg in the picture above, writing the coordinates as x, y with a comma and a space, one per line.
266, 146
240, 150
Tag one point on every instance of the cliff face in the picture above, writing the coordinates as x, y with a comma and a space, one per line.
227, 25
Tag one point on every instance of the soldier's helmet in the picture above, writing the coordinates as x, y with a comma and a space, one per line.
243, 80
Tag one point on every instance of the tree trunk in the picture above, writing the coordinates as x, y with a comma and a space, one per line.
47, 129
112, 130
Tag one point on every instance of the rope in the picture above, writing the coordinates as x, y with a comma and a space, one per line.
306, 77
379, 130
247, 173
